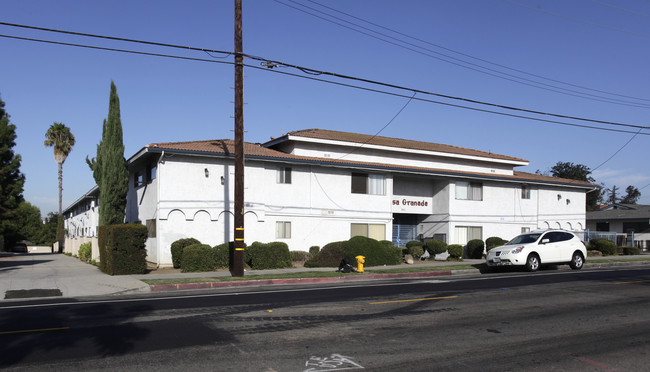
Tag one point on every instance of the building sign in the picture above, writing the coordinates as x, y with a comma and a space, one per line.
411, 204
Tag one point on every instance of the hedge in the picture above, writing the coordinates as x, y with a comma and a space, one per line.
435, 246
415, 250
455, 251
122, 249
493, 242
329, 256
375, 252
197, 258
177, 250
274, 255
85, 251
606, 247
475, 248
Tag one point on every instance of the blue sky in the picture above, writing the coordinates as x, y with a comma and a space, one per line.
582, 58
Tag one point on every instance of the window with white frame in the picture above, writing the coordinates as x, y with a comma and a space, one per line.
525, 230
283, 175
469, 190
374, 231
372, 184
525, 192
283, 230
463, 234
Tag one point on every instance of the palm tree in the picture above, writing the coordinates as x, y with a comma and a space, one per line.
59, 136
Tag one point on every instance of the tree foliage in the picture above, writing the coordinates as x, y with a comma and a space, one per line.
632, 196
109, 166
11, 179
578, 172
61, 138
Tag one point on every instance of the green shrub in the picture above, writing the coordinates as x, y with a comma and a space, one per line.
177, 250
299, 256
313, 250
475, 248
455, 251
374, 252
493, 242
435, 246
329, 256
85, 251
387, 243
606, 247
122, 249
221, 255
413, 243
274, 255
631, 251
415, 250
198, 258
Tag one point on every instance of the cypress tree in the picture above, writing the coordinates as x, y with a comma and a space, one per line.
109, 166
11, 179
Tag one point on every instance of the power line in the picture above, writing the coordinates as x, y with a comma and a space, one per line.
617, 151
577, 19
317, 72
272, 63
465, 64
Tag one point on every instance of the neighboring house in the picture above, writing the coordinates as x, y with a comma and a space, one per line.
81, 218
631, 222
312, 187
81, 221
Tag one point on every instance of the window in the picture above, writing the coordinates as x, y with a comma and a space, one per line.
283, 175
525, 230
374, 231
138, 179
469, 191
373, 184
525, 192
152, 169
151, 228
283, 230
463, 234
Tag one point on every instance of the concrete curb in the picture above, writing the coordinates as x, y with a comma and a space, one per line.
349, 278
252, 283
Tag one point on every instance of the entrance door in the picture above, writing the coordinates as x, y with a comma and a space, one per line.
405, 228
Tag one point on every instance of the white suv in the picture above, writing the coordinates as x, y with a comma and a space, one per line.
538, 248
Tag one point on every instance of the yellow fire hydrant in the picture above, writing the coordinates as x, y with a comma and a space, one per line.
360, 261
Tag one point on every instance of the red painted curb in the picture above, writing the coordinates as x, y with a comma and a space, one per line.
244, 283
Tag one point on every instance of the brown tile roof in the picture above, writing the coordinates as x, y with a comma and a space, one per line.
397, 142
227, 147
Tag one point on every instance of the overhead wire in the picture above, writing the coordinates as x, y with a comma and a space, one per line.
318, 72
578, 20
466, 64
617, 151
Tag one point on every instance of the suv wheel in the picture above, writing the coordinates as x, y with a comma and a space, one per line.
577, 261
532, 262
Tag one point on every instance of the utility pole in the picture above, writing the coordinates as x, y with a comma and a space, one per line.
238, 254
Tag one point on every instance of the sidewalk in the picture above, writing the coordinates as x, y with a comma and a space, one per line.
38, 275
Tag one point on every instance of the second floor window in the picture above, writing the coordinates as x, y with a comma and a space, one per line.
373, 184
469, 191
525, 192
283, 175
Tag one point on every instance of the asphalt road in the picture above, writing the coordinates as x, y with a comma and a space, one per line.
510, 321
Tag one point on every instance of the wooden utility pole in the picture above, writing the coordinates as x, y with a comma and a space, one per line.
238, 254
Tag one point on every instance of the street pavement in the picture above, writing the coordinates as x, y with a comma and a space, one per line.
38, 275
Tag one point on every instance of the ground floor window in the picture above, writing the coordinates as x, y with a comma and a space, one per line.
463, 234
283, 230
374, 231
525, 230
